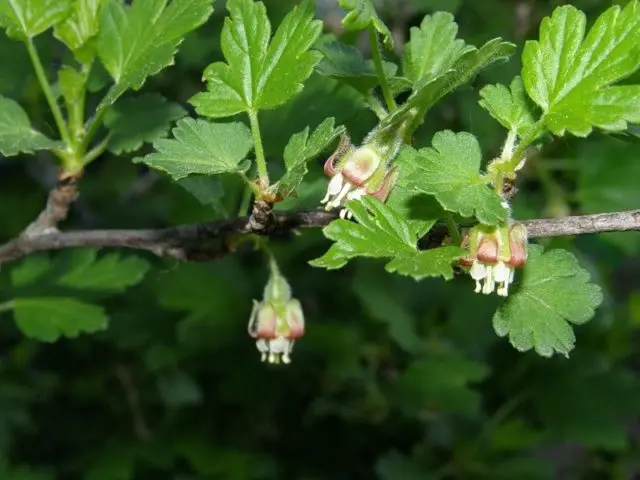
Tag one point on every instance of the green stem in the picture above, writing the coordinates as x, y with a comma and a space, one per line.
6, 306
76, 113
453, 229
245, 201
93, 127
96, 151
48, 93
261, 161
377, 61
525, 142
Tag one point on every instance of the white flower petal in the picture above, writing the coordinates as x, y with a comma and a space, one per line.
501, 272
335, 185
478, 270
279, 345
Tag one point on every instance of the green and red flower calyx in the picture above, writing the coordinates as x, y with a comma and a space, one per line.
277, 321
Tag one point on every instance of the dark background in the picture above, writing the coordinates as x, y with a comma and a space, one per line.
395, 379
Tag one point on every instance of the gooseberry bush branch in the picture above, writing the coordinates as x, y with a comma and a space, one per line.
385, 199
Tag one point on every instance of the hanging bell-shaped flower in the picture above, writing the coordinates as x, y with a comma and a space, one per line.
365, 170
277, 321
494, 254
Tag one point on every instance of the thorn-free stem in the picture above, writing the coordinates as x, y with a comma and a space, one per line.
94, 125
377, 61
261, 161
48, 92
525, 142
96, 151
453, 229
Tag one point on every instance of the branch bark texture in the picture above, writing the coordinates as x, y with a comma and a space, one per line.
212, 240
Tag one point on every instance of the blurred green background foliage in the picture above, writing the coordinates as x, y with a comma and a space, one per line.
394, 379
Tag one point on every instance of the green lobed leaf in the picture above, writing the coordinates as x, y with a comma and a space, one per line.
109, 273
435, 262
450, 170
261, 72
79, 30
441, 383
361, 15
71, 83
207, 190
49, 318
138, 120
346, 64
138, 41
554, 291
28, 18
302, 148
429, 91
201, 147
510, 106
30, 270
381, 233
432, 48
16, 134
570, 75
421, 210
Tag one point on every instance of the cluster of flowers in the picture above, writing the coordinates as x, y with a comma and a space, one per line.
493, 253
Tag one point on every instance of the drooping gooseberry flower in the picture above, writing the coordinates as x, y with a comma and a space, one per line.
364, 170
356, 172
494, 254
277, 321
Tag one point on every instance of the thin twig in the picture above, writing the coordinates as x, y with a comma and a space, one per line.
140, 425
213, 240
58, 203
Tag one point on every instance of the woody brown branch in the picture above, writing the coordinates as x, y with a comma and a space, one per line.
213, 240
58, 204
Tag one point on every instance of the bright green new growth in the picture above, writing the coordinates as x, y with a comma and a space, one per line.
201, 147
16, 134
510, 106
450, 170
554, 291
78, 31
300, 150
25, 19
570, 76
382, 233
260, 72
138, 41
432, 48
428, 90
362, 15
